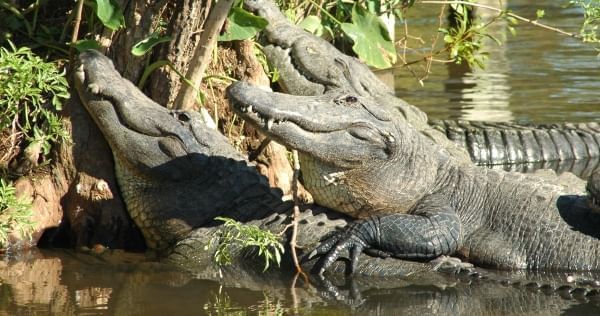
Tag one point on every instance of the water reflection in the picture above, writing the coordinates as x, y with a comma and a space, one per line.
537, 76
65, 282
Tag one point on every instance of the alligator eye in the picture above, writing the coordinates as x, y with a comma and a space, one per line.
182, 116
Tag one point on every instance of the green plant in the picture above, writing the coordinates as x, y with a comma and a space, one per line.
31, 91
590, 27
234, 233
15, 214
463, 38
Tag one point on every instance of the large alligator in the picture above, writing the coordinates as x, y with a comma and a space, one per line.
308, 65
176, 175
416, 200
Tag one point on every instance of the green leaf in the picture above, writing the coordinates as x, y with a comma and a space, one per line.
83, 45
242, 25
312, 24
512, 21
143, 46
540, 13
371, 39
109, 12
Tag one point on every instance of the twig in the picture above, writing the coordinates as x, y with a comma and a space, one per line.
75, 33
199, 62
437, 36
296, 215
516, 16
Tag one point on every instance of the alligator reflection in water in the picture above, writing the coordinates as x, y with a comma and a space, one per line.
65, 282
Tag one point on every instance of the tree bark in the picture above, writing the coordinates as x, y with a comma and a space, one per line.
77, 201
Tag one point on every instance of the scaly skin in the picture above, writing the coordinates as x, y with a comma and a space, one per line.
490, 143
418, 201
308, 65
176, 174
158, 152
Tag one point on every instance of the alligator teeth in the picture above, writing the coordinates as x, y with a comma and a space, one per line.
269, 124
249, 108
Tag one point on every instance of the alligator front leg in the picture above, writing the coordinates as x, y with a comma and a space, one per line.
431, 229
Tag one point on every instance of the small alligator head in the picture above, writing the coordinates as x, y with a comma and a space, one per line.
144, 136
353, 153
309, 65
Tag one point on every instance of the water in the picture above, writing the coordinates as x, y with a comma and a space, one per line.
68, 283
537, 76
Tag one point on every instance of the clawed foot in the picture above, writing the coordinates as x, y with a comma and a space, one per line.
333, 247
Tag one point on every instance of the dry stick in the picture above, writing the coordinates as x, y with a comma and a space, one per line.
437, 36
75, 33
208, 40
296, 214
518, 17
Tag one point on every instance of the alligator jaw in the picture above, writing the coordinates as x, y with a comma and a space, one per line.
139, 142
323, 126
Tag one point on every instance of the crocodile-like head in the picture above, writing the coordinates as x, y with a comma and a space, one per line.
309, 65
146, 138
354, 153
174, 172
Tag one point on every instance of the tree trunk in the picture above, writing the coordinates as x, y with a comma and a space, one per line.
81, 186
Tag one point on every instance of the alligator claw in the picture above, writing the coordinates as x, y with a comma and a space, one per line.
333, 247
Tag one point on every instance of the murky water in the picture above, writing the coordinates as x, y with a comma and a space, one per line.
536, 76
69, 283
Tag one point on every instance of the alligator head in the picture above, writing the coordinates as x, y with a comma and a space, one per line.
174, 172
348, 145
143, 144
309, 65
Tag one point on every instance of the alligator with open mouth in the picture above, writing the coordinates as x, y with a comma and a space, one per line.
309, 65
176, 174
415, 200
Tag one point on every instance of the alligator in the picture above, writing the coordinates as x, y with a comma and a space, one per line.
309, 65
413, 199
176, 175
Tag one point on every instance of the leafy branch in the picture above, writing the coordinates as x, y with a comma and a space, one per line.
505, 12
234, 233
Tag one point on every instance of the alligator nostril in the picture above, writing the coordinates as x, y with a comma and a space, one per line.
351, 99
